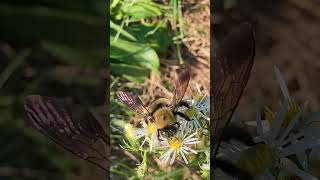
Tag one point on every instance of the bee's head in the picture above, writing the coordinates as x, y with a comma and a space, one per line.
169, 131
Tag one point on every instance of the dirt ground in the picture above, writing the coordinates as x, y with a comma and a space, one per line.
195, 52
287, 36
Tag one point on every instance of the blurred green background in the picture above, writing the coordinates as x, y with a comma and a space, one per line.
54, 48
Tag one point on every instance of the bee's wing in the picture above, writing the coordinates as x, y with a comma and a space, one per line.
180, 86
230, 73
70, 126
133, 102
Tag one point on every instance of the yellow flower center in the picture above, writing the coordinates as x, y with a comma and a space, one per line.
175, 143
151, 127
293, 109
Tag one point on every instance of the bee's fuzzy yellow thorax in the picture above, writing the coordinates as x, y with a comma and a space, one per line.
163, 117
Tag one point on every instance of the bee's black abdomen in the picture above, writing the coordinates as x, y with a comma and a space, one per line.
184, 103
182, 115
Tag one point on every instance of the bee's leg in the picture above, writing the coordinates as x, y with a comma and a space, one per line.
182, 115
145, 119
159, 135
177, 124
148, 118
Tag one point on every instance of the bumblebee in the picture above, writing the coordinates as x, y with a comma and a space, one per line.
162, 112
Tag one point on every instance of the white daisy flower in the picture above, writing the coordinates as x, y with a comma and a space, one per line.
179, 145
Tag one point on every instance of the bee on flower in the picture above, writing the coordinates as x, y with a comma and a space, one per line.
168, 127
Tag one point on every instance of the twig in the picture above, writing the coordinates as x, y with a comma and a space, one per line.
131, 156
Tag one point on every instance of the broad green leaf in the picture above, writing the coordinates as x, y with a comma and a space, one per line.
136, 79
156, 35
140, 10
137, 54
121, 31
119, 69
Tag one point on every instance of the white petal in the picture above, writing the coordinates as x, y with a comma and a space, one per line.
190, 136
173, 157
184, 150
168, 157
184, 157
165, 154
194, 142
191, 150
140, 131
190, 140
197, 124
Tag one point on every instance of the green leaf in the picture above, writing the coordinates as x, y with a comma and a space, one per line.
141, 10
156, 35
135, 79
114, 3
132, 73
137, 54
121, 31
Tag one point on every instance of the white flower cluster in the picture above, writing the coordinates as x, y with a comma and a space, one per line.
187, 135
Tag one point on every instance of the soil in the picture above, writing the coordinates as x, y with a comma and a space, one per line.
287, 36
195, 52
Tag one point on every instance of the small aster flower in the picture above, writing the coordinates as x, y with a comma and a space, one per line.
199, 108
150, 131
132, 133
179, 145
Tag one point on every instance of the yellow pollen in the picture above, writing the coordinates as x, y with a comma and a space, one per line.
175, 143
293, 109
151, 127
128, 131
